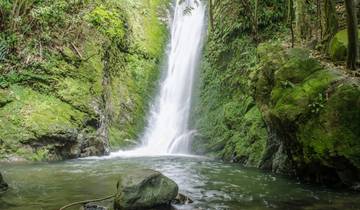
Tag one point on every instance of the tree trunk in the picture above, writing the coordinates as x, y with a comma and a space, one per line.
290, 21
211, 14
352, 34
300, 19
256, 22
330, 21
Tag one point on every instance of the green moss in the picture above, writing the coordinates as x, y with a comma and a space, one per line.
149, 33
76, 92
248, 146
32, 115
39, 113
290, 103
297, 67
135, 78
335, 132
338, 45
100, 73
108, 22
313, 111
229, 124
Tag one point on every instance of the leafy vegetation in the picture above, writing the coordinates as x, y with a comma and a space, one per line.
275, 88
268, 85
76, 75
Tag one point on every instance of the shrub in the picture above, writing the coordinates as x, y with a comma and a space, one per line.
108, 23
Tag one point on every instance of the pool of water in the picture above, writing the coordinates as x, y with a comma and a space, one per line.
211, 184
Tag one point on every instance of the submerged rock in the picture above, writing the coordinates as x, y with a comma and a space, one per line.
144, 189
93, 206
182, 199
3, 185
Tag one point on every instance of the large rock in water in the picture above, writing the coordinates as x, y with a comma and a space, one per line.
3, 185
142, 189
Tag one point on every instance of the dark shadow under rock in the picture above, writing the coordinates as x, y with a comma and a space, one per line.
3, 185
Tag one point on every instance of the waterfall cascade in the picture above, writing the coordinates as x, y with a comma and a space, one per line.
167, 130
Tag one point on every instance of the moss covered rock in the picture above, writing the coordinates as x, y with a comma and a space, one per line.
338, 45
144, 189
313, 116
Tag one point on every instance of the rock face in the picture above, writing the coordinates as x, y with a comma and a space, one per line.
85, 95
3, 185
313, 116
143, 189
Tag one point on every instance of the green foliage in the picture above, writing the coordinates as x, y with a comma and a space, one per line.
335, 131
69, 67
40, 155
229, 123
47, 15
318, 116
338, 46
317, 105
108, 22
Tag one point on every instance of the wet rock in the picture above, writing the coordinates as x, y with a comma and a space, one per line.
144, 189
13, 158
93, 206
3, 185
182, 199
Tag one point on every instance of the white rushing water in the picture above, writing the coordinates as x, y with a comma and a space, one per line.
167, 131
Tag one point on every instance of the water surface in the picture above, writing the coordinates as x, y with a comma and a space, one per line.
211, 184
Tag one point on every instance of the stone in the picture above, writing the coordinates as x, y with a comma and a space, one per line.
182, 199
93, 206
3, 185
338, 46
309, 110
144, 189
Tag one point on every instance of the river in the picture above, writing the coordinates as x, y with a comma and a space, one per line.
211, 184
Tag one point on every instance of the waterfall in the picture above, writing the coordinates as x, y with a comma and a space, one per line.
167, 130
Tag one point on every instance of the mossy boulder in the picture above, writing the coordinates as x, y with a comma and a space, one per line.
313, 116
338, 45
3, 185
143, 189
40, 126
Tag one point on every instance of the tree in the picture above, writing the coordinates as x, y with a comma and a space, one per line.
211, 14
330, 20
300, 19
351, 6
290, 21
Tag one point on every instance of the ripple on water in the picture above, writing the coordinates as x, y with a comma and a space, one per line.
211, 184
